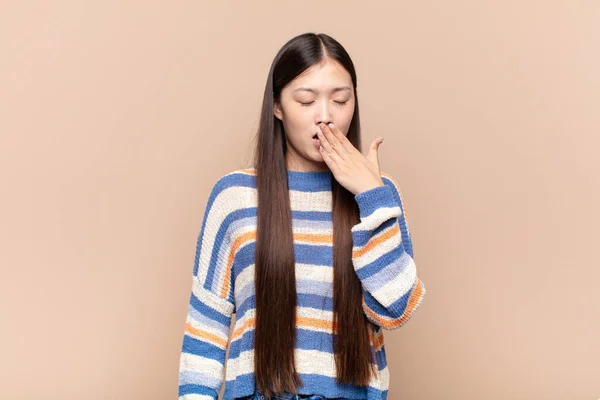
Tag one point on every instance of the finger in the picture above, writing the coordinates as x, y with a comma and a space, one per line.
328, 160
346, 144
373, 155
328, 148
334, 142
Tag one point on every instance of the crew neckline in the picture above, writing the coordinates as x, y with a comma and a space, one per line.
309, 175
309, 181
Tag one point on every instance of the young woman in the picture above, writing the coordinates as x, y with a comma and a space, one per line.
309, 247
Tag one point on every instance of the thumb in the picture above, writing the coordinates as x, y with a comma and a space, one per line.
373, 155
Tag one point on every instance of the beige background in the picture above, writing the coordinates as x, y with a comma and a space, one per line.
116, 118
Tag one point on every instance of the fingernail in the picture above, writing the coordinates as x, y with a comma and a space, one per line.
331, 125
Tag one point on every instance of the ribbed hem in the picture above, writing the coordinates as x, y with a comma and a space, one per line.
372, 199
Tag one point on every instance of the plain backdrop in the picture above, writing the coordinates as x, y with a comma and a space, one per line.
117, 117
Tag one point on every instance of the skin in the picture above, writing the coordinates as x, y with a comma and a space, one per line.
327, 112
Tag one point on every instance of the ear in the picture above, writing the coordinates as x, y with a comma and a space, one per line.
277, 111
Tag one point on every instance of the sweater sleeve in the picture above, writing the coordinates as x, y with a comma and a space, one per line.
382, 256
211, 304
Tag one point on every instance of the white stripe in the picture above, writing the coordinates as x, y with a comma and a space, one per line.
376, 218
382, 248
398, 286
319, 273
310, 201
244, 283
241, 365
196, 363
193, 396
307, 362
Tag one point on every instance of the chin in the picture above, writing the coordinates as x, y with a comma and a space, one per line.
320, 162
319, 157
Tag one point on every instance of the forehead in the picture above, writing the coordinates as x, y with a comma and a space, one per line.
323, 76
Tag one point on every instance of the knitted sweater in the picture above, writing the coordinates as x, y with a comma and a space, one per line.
223, 284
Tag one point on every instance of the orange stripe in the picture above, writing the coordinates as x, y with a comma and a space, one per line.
316, 323
305, 322
205, 335
379, 342
412, 303
234, 247
314, 237
374, 242
376, 345
249, 323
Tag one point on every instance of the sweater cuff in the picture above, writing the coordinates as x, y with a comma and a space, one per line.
372, 199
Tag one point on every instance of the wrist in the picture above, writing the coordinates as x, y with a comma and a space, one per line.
371, 186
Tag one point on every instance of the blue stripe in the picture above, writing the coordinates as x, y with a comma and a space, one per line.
302, 300
204, 320
387, 272
197, 389
244, 385
379, 263
406, 239
208, 311
205, 349
324, 216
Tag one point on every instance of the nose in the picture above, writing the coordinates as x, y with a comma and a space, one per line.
324, 113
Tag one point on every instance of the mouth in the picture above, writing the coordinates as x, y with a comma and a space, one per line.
316, 140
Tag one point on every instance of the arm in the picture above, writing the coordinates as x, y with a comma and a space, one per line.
206, 335
382, 256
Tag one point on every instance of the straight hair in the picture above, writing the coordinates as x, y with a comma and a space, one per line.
275, 281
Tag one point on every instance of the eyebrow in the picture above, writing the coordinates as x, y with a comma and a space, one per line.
336, 89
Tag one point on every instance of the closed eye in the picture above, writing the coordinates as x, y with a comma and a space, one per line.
341, 103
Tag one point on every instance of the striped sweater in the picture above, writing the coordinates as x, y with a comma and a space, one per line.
223, 284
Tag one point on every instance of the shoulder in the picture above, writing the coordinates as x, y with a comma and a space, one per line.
228, 190
242, 177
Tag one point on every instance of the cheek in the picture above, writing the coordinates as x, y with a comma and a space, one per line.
299, 123
346, 120
345, 126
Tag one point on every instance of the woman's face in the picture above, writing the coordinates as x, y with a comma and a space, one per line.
322, 94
